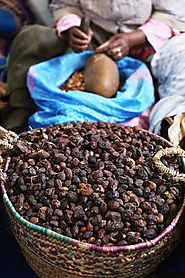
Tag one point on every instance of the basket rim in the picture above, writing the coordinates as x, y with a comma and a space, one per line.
87, 246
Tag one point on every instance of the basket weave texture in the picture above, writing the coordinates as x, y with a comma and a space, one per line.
53, 255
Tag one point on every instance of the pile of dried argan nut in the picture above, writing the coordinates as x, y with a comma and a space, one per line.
93, 182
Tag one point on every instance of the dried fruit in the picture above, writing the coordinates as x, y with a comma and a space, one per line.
79, 179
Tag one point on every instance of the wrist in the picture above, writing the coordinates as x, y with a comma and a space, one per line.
136, 38
63, 35
66, 22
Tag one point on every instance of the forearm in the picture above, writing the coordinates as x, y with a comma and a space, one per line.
66, 22
157, 32
154, 32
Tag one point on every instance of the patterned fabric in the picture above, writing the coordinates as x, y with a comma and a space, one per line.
168, 68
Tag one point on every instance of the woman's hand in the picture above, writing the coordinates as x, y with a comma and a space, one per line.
117, 46
78, 40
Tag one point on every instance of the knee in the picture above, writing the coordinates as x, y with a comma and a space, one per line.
40, 39
30, 34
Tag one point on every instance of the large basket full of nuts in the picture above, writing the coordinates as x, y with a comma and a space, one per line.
94, 199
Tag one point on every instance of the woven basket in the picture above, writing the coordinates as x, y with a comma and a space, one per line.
53, 255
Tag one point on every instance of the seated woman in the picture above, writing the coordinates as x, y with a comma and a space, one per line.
143, 29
